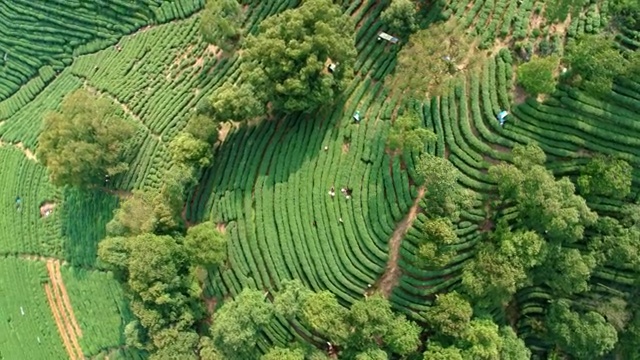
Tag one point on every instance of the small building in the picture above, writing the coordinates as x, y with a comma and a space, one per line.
332, 67
389, 38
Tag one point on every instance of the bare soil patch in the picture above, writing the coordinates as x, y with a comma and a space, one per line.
221, 227
46, 208
520, 95
391, 275
62, 311
345, 147
27, 152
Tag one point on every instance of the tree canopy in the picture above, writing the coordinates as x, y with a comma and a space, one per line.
400, 17
596, 60
232, 102
537, 75
286, 62
408, 134
84, 141
606, 176
583, 336
221, 23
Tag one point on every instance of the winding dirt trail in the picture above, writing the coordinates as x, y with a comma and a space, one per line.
62, 311
392, 273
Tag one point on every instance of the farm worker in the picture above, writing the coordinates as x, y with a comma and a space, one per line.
340, 220
18, 202
332, 192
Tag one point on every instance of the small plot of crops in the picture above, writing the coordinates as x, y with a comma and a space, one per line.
99, 306
27, 329
25, 188
37, 34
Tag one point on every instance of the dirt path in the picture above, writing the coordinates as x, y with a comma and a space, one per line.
121, 194
62, 311
27, 152
392, 273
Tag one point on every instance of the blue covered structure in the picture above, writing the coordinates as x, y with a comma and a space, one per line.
502, 117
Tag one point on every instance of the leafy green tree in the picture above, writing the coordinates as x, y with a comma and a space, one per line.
372, 354
545, 204
606, 176
84, 141
438, 233
172, 343
206, 245
596, 60
537, 75
443, 194
207, 350
481, 340
566, 271
134, 216
232, 102
630, 339
400, 17
322, 313
407, 134
616, 244
221, 23
435, 351
502, 266
235, 331
279, 353
289, 300
189, 150
513, 348
203, 127
287, 61
372, 323
583, 336
450, 315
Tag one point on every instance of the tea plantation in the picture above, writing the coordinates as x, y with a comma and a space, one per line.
215, 222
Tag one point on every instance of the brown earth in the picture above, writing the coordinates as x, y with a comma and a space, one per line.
62, 311
392, 273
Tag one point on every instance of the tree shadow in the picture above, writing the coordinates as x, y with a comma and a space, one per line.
84, 216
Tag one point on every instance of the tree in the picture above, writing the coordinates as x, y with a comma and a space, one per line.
596, 60
287, 61
134, 216
203, 127
372, 354
189, 150
481, 340
221, 23
584, 336
450, 315
400, 17
606, 176
322, 313
232, 102
84, 141
566, 271
544, 204
443, 194
238, 323
373, 324
438, 234
278, 353
172, 343
616, 244
205, 245
435, 351
289, 300
407, 134
537, 75
513, 348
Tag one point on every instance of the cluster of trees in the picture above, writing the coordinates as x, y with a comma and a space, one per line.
84, 141
286, 63
367, 330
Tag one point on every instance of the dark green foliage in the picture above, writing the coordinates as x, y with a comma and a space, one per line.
407, 134
287, 61
400, 17
232, 102
583, 336
606, 176
221, 23
595, 59
84, 141
536, 76
205, 245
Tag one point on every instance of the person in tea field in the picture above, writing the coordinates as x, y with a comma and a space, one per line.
18, 203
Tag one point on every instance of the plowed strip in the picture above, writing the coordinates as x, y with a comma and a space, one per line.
66, 301
56, 316
65, 318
